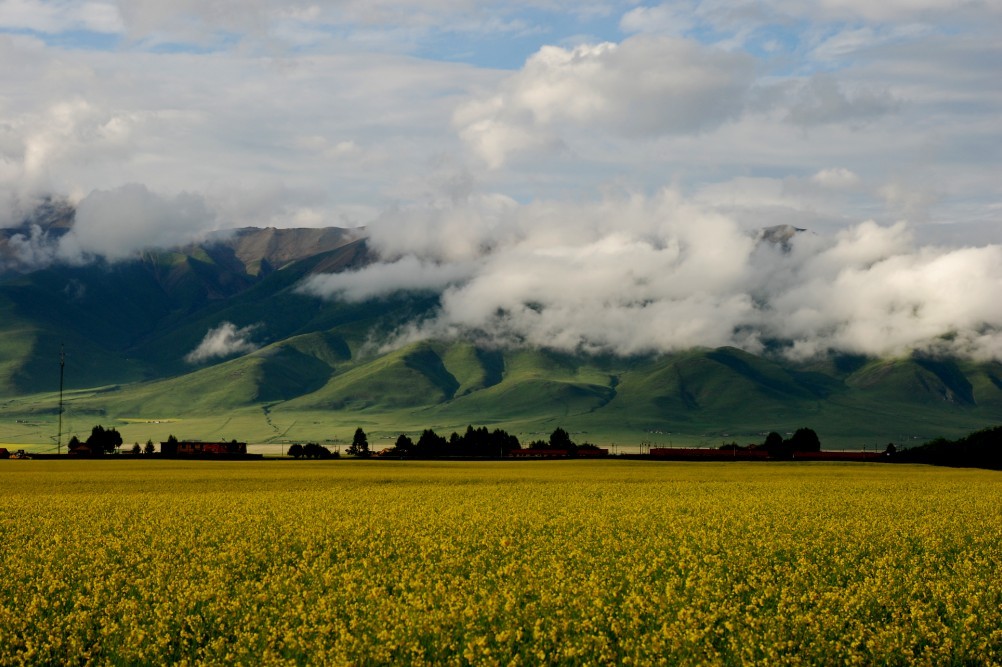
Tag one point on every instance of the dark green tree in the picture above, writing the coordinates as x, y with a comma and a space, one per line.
404, 446
773, 441
150, 447
314, 450
359, 444
777, 447
805, 440
504, 441
561, 439
296, 451
104, 440
431, 445
136, 449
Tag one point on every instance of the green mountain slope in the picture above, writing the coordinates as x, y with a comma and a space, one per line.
128, 328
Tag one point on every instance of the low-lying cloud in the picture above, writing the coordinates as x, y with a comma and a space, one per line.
225, 340
654, 274
408, 273
116, 223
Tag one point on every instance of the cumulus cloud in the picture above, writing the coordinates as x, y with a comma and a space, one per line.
116, 223
664, 19
823, 99
836, 178
644, 86
329, 112
344, 128
898, 10
60, 16
225, 340
642, 274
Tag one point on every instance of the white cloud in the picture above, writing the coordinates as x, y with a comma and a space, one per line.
823, 99
637, 274
115, 224
904, 10
60, 16
407, 274
674, 19
74, 123
225, 340
310, 113
31, 250
644, 86
836, 178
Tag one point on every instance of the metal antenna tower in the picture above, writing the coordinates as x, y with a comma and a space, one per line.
62, 366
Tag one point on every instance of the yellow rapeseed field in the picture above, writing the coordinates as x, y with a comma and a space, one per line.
615, 562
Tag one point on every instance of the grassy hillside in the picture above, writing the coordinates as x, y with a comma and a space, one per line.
320, 386
320, 368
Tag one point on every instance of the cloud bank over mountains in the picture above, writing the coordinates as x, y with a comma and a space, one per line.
635, 275
584, 176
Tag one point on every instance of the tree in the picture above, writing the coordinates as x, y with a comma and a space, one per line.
103, 440
359, 444
136, 449
777, 447
560, 439
772, 441
805, 440
150, 448
314, 450
504, 441
404, 446
296, 451
431, 445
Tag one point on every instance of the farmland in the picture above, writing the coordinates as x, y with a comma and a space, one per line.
354, 562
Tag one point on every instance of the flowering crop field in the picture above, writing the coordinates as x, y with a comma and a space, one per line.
597, 562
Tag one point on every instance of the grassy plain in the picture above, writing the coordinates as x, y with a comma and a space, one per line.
321, 386
619, 562
34, 422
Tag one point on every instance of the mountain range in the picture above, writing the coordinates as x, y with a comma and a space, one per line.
215, 340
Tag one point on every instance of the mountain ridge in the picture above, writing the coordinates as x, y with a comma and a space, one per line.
130, 327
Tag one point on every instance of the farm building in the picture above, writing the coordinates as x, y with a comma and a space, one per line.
839, 456
692, 453
538, 453
81, 448
197, 448
581, 452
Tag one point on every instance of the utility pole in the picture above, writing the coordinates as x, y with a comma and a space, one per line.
62, 366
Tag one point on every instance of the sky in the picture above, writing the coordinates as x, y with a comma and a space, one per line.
585, 174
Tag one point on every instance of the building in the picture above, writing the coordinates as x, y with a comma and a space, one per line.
199, 449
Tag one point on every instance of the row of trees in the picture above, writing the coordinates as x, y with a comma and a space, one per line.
802, 440
475, 442
980, 449
311, 450
147, 449
561, 440
100, 441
